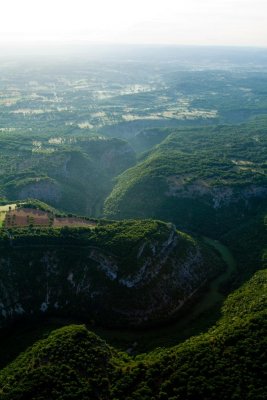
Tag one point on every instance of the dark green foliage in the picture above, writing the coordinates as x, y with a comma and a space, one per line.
247, 243
203, 180
118, 237
123, 237
74, 175
209, 180
229, 361
38, 205
72, 363
111, 273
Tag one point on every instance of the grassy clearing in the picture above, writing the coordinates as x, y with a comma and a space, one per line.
2, 217
8, 207
3, 210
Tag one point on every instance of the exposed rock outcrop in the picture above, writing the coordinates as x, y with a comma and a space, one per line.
217, 196
159, 276
45, 190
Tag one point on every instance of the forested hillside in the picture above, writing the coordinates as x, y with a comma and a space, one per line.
230, 359
133, 215
205, 180
117, 273
74, 174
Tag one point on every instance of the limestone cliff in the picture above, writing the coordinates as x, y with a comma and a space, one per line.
105, 275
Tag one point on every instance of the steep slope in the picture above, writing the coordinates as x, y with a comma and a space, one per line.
204, 180
74, 173
72, 364
127, 272
247, 242
228, 362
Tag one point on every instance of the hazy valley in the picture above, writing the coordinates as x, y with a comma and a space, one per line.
133, 190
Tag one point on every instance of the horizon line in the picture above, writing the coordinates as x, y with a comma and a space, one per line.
52, 43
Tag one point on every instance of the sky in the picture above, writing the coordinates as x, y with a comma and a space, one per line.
173, 22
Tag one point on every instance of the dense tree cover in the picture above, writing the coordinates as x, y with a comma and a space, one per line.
119, 237
122, 239
37, 205
203, 180
54, 146
247, 242
72, 363
227, 362
74, 174
130, 273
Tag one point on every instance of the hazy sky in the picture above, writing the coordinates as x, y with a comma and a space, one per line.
194, 22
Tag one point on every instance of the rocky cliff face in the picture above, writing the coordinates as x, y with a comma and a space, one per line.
94, 282
76, 177
197, 205
217, 196
45, 190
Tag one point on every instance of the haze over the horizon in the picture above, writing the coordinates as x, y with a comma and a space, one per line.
179, 22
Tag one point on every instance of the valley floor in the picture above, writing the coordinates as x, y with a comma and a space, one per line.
194, 320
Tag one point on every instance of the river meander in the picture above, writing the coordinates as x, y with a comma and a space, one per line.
198, 318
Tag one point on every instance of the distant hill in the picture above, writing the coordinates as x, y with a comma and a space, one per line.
74, 174
133, 208
204, 180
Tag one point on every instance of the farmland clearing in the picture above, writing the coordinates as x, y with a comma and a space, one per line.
26, 217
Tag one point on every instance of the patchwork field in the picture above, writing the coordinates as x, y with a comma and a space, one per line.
23, 217
26, 216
